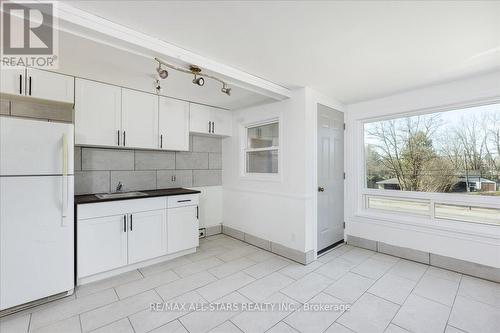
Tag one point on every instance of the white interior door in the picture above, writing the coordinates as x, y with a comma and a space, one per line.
147, 235
173, 124
36, 240
330, 177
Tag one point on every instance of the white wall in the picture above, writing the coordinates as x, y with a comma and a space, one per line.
471, 242
282, 211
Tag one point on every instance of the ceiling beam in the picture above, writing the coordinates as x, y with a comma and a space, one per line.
79, 22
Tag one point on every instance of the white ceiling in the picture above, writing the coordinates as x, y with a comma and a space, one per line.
351, 51
86, 58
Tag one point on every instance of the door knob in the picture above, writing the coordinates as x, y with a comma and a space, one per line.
321, 189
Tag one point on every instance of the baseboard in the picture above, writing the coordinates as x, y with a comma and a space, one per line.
453, 264
213, 230
281, 250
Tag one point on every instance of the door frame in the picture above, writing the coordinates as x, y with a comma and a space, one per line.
314, 125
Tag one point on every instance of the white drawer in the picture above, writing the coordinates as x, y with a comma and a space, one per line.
109, 208
182, 200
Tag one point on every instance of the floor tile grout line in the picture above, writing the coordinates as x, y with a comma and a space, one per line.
406, 298
454, 299
366, 292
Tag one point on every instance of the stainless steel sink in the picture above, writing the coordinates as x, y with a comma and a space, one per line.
120, 195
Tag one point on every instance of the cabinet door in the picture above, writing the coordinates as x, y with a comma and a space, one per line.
173, 124
147, 235
101, 244
139, 119
12, 81
50, 86
97, 113
222, 121
182, 228
199, 118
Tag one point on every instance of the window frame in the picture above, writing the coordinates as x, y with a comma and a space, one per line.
362, 192
260, 176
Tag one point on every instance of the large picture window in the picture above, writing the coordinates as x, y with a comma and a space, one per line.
262, 148
447, 152
418, 164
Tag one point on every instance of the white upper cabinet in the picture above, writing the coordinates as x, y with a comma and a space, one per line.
97, 113
49, 86
221, 122
37, 83
209, 120
199, 119
139, 119
173, 124
12, 81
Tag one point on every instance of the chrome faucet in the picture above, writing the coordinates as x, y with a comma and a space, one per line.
119, 187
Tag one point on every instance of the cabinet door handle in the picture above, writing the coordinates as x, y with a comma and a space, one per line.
161, 141
20, 84
131, 223
189, 200
213, 126
118, 132
209, 126
124, 223
197, 212
29, 86
124, 138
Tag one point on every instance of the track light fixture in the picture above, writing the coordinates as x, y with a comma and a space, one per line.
163, 73
199, 77
225, 89
199, 80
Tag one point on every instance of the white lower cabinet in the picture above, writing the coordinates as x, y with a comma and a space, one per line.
182, 228
114, 235
101, 244
147, 235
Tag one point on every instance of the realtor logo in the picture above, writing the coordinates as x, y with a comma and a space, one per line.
29, 34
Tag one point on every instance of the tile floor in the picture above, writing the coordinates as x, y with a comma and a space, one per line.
387, 294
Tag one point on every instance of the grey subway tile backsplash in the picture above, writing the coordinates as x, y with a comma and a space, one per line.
206, 144
99, 170
134, 180
191, 160
87, 182
207, 177
174, 178
154, 160
215, 161
107, 159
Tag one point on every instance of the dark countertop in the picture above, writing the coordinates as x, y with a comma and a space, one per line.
91, 198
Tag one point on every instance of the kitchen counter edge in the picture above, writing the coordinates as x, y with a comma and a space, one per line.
91, 198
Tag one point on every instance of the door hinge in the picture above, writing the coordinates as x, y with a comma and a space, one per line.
344, 126
344, 175
343, 224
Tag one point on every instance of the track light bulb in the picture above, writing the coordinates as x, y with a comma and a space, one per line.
199, 81
226, 90
162, 72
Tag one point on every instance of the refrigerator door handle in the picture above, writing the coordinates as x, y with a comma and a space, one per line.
64, 179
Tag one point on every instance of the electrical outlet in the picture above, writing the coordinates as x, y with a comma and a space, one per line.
202, 233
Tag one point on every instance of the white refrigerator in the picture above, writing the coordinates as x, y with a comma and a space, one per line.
36, 210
